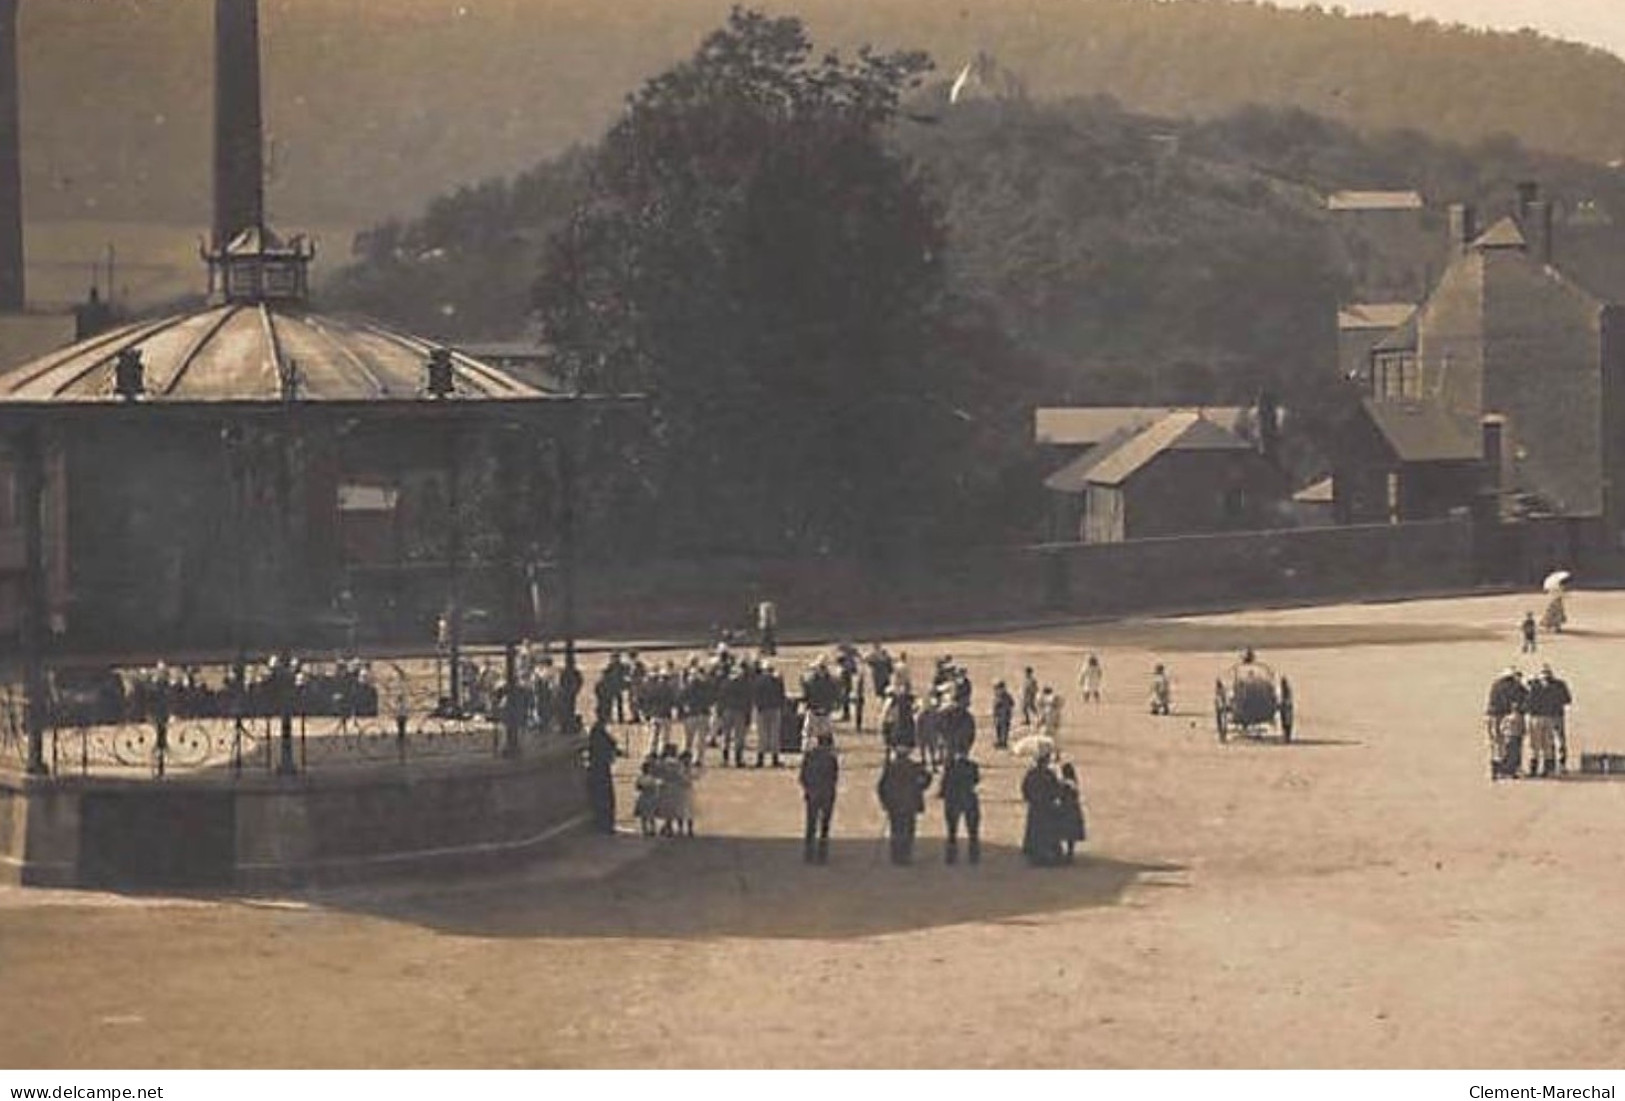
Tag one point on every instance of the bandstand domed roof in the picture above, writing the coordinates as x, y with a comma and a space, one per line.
257, 352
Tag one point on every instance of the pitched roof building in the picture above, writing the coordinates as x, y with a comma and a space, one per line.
1179, 472
1505, 389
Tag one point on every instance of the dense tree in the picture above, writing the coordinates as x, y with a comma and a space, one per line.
755, 258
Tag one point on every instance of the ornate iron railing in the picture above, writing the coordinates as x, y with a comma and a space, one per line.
406, 728
234, 748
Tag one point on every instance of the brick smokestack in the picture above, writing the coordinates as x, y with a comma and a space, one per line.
12, 294
239, 198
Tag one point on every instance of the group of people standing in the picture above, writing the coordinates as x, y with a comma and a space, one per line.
1531, 710
714, 702
928, 737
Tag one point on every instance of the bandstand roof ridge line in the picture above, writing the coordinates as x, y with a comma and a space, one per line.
192, 354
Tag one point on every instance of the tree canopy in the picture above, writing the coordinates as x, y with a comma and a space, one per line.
753, 256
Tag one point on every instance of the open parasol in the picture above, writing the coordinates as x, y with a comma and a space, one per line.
1555, 581
1034, 745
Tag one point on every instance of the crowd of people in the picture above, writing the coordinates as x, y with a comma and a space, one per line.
671, 712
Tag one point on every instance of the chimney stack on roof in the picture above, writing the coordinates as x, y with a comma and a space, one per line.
239, 199
13, 296
1463, 227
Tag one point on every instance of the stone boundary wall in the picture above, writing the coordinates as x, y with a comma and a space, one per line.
1300, 564
274, 833
1013, 584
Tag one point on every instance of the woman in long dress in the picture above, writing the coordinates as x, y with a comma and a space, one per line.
1070, 811
1041, 791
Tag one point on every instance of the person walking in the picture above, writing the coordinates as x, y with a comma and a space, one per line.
769, 698
1090, 678
960, 803
903, 782
820, 774
602, 749
1029, 697
1050, 706
1162, 695
1004, 709
1529, 630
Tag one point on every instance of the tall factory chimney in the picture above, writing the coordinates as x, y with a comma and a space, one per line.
12, 296
239, 200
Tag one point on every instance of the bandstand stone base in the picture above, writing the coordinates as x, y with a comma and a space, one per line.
262, 832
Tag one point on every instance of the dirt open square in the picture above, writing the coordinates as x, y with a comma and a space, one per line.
1364, 897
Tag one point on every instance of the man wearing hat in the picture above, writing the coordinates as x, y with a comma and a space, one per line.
903, 782
820, 772
769, 701
1004, 709
821, 692
1545, 702
1503, 723
960, 803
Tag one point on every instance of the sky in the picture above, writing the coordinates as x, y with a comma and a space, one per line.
1595, 22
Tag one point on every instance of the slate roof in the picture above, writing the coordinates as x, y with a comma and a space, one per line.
1129, 451
1423, 432
1089, 425
1503, 234
1375, 315
1316, 493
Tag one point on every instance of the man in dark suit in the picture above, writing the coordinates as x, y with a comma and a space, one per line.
820, 771
961, 803
903, 782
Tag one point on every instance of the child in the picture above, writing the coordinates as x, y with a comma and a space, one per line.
1050, 707
683, 794
648, 785
669, 771
1089, 679
1004, 709
1071, 810
1161, 692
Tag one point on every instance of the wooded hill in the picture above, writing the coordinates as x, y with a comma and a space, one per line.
1125, 257
376, 113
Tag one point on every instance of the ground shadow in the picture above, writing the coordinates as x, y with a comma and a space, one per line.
759, 887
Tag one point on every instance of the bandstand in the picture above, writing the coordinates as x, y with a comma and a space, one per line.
254, 482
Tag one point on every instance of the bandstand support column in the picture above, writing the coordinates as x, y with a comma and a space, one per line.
454, 554
565, 457
284, 680
513, 506
31, 471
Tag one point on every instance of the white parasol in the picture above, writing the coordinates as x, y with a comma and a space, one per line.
1034, 745
1555, 581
